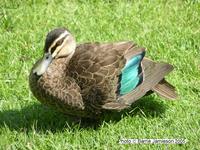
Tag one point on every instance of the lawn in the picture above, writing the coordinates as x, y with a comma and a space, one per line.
169, 29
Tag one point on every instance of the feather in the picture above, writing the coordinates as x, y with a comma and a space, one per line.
165, 90
114, 106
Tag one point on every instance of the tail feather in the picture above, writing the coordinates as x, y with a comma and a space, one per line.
165, 90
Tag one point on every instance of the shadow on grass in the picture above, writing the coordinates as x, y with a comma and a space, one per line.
41, 118
146, 107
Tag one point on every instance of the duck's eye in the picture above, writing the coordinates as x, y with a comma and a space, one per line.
53, 48
47, 57
59, 42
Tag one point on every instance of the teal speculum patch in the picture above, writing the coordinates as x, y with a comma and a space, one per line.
131, 75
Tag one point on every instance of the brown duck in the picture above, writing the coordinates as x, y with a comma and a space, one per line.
86, 79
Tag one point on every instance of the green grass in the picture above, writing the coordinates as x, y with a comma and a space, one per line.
169, 29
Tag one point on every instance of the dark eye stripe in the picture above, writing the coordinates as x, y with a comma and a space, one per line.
53, 49
58, 43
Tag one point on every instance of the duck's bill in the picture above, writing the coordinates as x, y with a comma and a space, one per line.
43, 64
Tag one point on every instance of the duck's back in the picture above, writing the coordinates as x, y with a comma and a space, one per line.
101, 69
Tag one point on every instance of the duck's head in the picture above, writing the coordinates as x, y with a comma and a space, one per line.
59, 43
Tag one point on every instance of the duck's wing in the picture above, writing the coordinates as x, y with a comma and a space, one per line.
114, 69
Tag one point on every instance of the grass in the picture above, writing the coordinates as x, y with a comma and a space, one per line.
169, 29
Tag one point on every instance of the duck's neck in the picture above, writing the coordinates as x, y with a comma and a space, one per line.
59, 66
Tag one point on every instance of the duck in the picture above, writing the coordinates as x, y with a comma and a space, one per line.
87, 79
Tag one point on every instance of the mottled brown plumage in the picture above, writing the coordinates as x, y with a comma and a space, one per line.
86, 82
